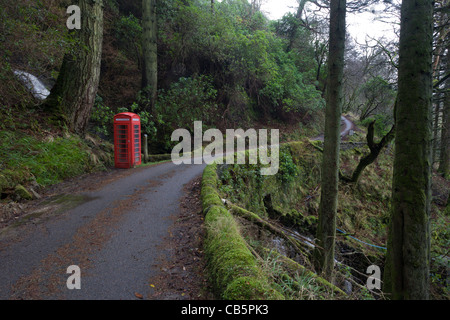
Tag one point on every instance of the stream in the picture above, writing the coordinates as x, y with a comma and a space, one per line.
33, 84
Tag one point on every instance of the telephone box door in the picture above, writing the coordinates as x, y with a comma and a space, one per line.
137, 141
122, 154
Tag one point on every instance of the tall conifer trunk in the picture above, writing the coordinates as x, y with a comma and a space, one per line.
326, 231
408, 255
150, 52
444, 164
73, 95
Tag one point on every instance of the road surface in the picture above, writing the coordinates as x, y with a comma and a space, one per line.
346, 126
113, 234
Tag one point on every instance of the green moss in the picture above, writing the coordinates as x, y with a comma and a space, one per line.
317, 144
228, 256
209, 195
47, 159
248, 288
234, 271
297, 149
22, 192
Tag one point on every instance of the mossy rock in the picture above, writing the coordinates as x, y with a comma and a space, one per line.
10, 178
22, 193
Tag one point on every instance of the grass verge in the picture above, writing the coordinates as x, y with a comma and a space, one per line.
46, 160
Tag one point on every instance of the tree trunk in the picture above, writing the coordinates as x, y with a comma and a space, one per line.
408, 256
150, 52
438, 53
326, 231
75, 90
445, 132
445, 136
437, 111
298, 16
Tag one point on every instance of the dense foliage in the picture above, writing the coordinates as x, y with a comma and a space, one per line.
226, 67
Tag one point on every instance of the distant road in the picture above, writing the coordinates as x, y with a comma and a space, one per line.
346, 126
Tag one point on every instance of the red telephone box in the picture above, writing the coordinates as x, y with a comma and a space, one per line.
127, 140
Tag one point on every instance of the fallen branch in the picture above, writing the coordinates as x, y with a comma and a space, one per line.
269, 226
290, 264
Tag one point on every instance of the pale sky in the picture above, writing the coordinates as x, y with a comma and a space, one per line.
359, 25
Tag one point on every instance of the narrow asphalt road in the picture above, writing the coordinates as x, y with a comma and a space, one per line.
346, 126
112, 234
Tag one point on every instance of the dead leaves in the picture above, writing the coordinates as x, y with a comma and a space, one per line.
139, 296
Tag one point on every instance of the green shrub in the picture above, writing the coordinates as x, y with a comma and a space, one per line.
187, 100
288, 171
102, 117
383, 123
